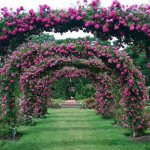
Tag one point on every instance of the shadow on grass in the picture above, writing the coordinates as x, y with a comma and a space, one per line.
68, 120
71, 116
104, 142
73, 128
73, 143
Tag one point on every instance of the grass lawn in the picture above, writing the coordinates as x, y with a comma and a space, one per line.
73, 129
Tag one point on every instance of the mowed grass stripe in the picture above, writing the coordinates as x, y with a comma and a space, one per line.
73, 129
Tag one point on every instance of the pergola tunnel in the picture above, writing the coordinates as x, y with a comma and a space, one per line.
32, 69
97, 59
42, 90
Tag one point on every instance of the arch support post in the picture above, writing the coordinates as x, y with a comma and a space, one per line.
134, 133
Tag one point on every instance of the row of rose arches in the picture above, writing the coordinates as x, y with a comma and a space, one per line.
34, 67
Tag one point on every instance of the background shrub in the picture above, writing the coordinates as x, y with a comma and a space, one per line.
88, 103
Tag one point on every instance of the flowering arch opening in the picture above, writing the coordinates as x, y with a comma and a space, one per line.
42, 90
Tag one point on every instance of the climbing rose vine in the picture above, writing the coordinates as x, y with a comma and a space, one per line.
129, 24
33, 62
41, 90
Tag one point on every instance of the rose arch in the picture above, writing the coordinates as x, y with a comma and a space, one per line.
34, 62
42, 90
130, 25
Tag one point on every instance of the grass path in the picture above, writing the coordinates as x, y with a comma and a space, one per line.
73, 129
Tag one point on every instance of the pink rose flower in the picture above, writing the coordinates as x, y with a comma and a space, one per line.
105, 29
132, 27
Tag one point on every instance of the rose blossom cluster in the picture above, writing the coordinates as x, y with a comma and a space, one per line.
125, 23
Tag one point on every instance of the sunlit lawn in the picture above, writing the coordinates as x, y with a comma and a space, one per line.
73, 129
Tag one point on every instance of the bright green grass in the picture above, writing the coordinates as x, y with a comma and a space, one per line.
73, 129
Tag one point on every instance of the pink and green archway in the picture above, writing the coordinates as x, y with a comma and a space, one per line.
42, 90
33, 62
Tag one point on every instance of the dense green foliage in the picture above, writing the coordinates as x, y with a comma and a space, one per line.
73, 129
139, 60
83, 88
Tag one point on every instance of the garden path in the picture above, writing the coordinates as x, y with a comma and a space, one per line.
72, 103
